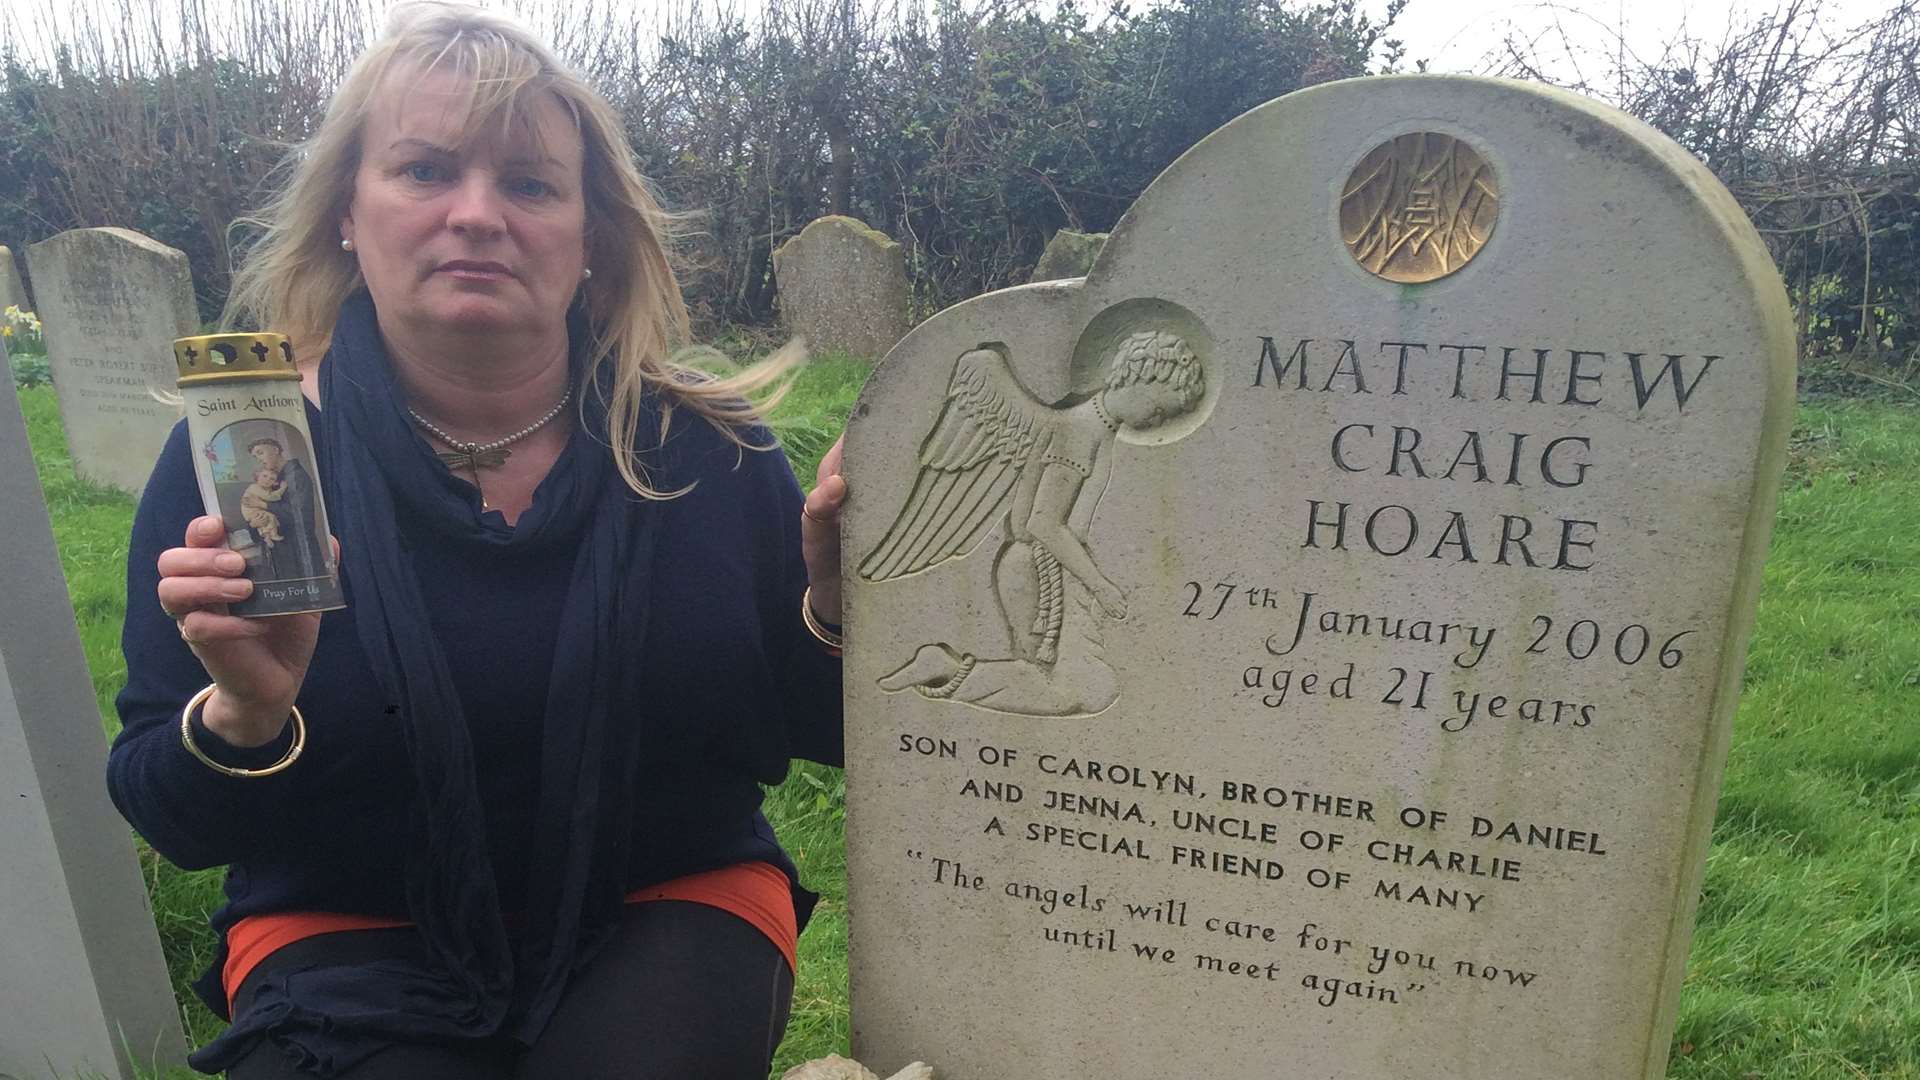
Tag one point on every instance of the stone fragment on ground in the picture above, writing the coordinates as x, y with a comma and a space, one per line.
835, 1067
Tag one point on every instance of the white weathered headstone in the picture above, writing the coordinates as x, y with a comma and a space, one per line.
111, 303
13, 292
83, 986
843, 285
1307, 646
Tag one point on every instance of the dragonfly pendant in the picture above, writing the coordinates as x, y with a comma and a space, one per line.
474, 460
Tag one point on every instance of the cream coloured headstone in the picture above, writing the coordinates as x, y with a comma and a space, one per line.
843, 285
1307, 646
83, 986
111, 303
13, 292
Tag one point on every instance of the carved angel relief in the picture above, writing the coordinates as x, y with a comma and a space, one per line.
998, 455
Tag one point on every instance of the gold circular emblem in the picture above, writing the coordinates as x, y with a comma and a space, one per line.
1419, 207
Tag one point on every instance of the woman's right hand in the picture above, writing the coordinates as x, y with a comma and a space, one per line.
257, 664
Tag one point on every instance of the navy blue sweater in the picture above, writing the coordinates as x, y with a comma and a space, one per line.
735, 687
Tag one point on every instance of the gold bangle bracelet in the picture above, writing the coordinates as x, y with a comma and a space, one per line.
186, 736
832, 641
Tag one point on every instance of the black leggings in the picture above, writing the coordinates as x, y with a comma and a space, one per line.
682, 991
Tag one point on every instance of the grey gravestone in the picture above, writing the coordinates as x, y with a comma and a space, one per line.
111, 303
843, 285
1069, 254
13, 292
1307, 646
82, 981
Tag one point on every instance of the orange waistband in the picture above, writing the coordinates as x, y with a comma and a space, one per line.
755, 891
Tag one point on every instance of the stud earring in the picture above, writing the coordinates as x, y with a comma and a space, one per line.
586, 273
346, 245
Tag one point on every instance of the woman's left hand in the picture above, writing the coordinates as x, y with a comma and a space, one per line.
820, 534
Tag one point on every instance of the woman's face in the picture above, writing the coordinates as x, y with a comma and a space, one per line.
472, 241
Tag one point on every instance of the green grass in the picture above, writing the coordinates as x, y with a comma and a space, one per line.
809, 809
1806, 961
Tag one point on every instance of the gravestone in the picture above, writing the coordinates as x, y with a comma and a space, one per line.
843, 285
1068, 254
82, 980
1307, 646
111, 303
13, 292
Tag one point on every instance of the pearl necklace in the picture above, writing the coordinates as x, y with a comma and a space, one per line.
474, 456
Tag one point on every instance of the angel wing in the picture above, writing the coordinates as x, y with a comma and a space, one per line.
968, 466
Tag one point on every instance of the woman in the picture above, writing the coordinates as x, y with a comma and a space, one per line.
499, 818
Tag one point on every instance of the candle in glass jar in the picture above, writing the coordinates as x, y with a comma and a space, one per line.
253, 455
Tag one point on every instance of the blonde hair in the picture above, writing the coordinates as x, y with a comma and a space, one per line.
295, 275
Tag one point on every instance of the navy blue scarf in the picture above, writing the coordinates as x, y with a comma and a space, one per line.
379, 471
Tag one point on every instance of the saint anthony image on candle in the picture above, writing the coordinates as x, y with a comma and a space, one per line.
998, 456
262, 470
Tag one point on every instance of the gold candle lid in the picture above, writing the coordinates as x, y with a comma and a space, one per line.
206, 358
